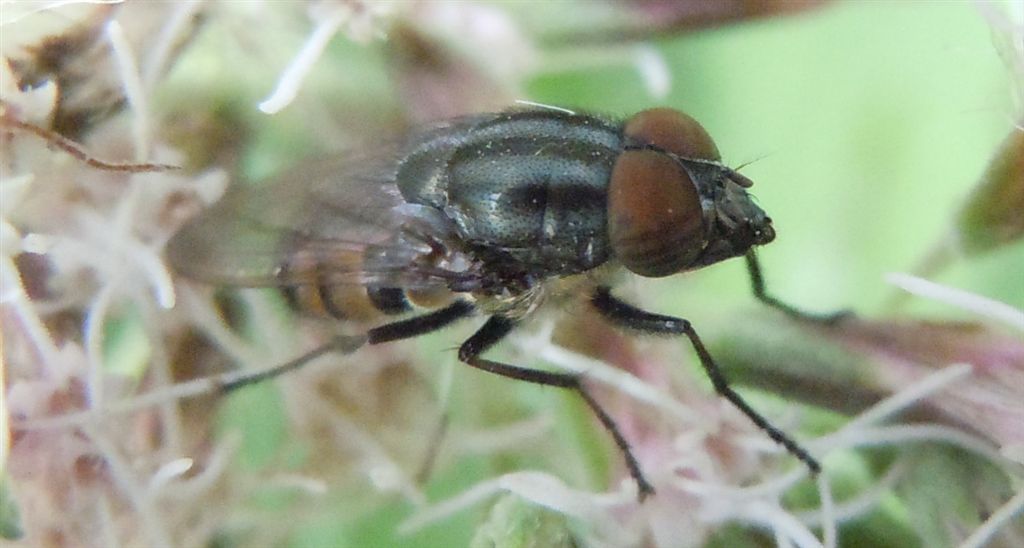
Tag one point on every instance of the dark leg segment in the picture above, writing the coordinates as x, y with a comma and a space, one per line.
496, 328
757, 284
402, 329
389, 300
629, 316
340, 344
419, 325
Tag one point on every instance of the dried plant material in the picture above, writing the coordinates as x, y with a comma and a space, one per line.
360, 20
70, 48
70, 58
80, 270
987, 403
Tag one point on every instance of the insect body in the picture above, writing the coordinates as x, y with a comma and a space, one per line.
493, 214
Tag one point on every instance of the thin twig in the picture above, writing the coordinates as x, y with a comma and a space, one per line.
79, 153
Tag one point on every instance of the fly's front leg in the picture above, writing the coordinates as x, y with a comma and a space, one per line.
757, 284
627, 315
496, 328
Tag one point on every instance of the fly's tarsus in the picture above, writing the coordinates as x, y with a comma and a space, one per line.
341, 344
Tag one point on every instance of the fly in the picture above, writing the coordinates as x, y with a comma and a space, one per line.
493, 214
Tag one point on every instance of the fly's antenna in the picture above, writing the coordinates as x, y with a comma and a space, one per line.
739, 178
751, 162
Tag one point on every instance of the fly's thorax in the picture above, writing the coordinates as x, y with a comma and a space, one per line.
568, 288
529, 186
515, 305
551, 292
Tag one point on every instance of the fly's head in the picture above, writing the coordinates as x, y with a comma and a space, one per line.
672, 205
734, 222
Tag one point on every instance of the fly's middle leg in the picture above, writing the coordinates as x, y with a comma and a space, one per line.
496, 328
629, 316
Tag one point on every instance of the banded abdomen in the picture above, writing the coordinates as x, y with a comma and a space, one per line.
308, 287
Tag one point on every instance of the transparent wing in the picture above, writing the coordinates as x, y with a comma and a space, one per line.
336, 221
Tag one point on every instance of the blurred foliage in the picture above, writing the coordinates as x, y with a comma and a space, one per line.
10, 519
514, 523
943, 490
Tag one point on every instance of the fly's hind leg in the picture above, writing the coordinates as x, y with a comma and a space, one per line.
401, 329
496, 328
761, 293
341, 344
629, 316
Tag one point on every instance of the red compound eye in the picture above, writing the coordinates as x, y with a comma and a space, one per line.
655, 220
673, 131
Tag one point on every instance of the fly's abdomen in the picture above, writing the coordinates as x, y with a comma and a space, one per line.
312, 290
531, 185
